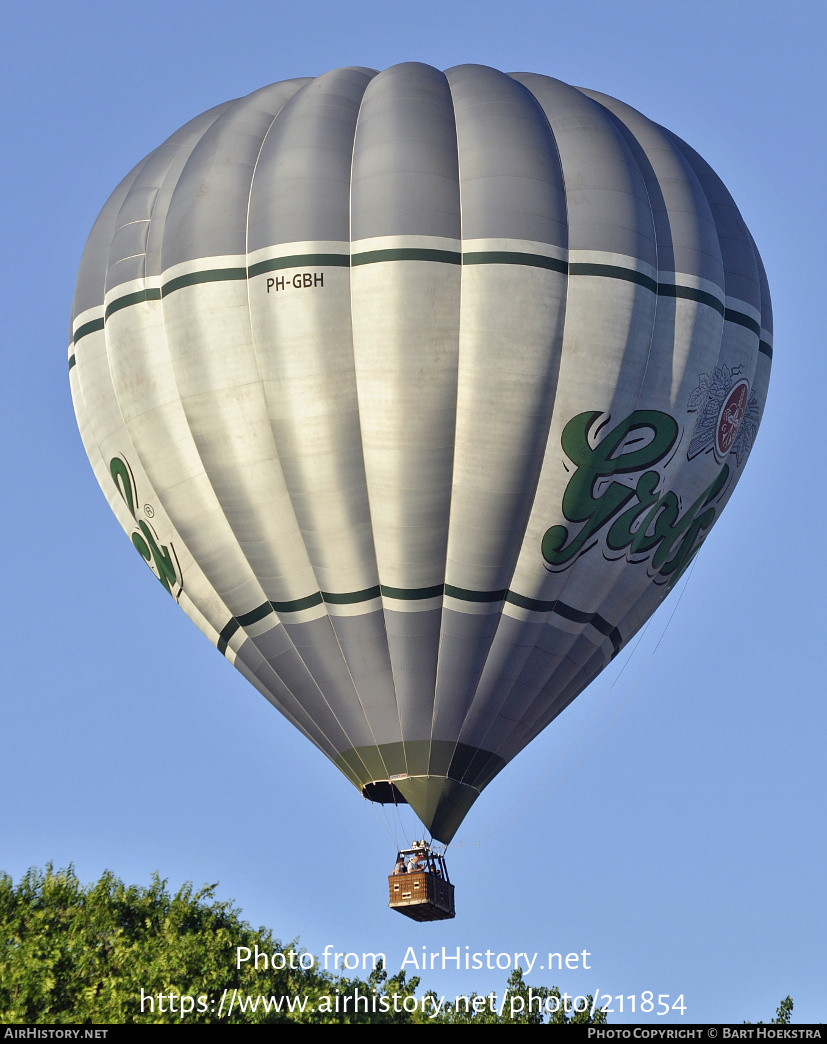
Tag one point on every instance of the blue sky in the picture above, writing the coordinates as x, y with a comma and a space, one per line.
680, 838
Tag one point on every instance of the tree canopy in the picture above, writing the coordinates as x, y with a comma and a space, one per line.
115, 953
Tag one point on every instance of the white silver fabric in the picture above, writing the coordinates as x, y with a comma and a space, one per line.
342, 354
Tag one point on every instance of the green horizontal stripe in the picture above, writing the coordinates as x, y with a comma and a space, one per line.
298, 604
613, 272
266, 608
569, 613
254, 615
152, 294
212, 275
480, 257
275, 264
72, 361
353, 596
514, 257
414, 594
91, 327
371, 257
475, 596
534, 604
732, 316
691, 293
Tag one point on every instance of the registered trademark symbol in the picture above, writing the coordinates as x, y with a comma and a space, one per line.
149, 510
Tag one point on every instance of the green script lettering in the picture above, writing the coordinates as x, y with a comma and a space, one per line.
150, 552
144, 542
123, 481
651, 520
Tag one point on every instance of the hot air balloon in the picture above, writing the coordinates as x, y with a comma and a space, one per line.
418, 391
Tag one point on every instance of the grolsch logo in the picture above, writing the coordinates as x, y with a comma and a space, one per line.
160, 558
642, 520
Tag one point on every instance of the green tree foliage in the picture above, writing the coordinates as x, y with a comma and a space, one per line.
72, 954
783, 1013
75, 954
521, 1005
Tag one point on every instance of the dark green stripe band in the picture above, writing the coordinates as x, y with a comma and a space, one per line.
72, 361
732, 316
534, 604
227, 632
138, 297
371, 257
413, 594
298, 604
514, 257
568, 613
452, 257
353, 596
613, 272
475, 596
87, 328
254, 615
691, 293
275, 264
212, 275
294, 606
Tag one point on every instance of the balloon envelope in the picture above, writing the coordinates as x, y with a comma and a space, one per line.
418, 391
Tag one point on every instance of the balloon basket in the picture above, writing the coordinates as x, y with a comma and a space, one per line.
423, 894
